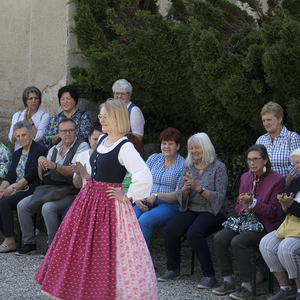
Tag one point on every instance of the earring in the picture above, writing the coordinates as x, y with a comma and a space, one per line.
264, 169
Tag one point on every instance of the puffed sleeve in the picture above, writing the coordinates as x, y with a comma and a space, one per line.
141, 181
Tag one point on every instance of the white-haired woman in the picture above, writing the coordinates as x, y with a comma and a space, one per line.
281, 250
23, 172
122, 90
203, 208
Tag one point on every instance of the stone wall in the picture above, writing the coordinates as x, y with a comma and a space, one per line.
35, 50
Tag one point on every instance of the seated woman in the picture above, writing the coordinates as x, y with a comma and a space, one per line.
262, 185
281, 250
161, 205
32, 99
5, 160
23, 171
68, 99
203, 208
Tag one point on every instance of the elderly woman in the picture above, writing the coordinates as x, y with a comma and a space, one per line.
280, 249
122, 90
161, 205
258, 193
5, 160
32, 99
279, 141
203, 208
24, 174
68, 99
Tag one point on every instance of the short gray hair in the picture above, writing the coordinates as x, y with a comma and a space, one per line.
295, 153
31, 89
124, 84
201, 139
22, 124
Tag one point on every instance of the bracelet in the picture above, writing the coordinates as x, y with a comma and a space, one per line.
186, 193
55, 166
124, 197
32, 124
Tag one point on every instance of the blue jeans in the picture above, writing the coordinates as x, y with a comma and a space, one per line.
156, 217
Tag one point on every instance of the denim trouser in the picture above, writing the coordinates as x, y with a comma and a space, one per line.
198, 226
50, 210
156, 217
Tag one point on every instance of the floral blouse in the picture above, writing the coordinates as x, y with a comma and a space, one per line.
20, 171
83, 122
5, 161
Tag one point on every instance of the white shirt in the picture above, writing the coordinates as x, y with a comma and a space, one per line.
141, 181
40, 120
137, 120
60, 159
84, 158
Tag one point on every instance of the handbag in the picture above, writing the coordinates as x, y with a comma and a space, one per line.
53, 177
249, 222
25, 188
289, 227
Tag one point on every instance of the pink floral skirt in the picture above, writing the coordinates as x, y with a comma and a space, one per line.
99, 252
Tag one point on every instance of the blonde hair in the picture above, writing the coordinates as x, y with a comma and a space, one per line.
274, 108
117, 115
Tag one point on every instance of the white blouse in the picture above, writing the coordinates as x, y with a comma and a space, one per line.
141, 180
40, 120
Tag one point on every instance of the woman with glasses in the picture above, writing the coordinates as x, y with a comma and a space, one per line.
122, 90
68, 99
279, 141
39, 120
258, 193
99, 251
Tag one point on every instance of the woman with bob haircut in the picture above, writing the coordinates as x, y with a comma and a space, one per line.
280, 249
258, 194
203, 208
39, 120
279, 141
99, 249
122, 90
161, 205
68, 99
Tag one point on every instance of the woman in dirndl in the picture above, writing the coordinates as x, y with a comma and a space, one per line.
99, 251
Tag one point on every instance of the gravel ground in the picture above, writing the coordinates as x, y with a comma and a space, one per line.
17, 272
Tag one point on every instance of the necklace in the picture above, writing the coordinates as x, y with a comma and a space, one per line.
107, 144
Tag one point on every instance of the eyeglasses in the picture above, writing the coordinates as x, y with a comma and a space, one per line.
254, 159
100, 117
70, 131
120, 94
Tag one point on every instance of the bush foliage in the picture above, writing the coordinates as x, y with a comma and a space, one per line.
208, 66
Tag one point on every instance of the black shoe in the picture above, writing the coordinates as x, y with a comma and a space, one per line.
43, 254
27, 249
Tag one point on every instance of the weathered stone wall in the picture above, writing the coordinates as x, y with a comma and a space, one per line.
35, 50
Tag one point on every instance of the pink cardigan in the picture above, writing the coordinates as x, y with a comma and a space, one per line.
266, 193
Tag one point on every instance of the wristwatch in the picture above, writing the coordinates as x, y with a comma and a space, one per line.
202, 190
14, 189
155, 194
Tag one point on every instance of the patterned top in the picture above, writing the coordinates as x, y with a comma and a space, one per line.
213, 178
83, 122
5, 161
20, 171
164, 181
279, 150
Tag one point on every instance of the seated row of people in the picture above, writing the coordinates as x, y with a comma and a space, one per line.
44, 128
